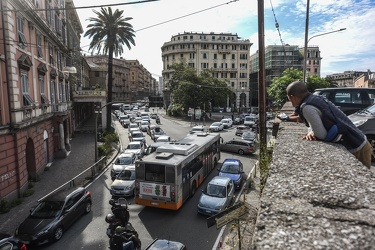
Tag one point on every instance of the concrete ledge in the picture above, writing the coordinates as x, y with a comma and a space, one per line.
317, 196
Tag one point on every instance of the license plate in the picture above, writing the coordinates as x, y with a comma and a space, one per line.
155, 203
208, 211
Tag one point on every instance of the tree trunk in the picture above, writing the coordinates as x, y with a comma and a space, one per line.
109, 90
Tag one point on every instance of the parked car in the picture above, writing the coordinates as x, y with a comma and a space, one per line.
137, 136
144, 125
156, 132
161, 244
216, 126
232, 168
238, 146
122, 161
227, 122
249, 136
198, 129
242, 128
136, 147
349, 100
53, 215
124, 183
365, 121
217, 196
9, 242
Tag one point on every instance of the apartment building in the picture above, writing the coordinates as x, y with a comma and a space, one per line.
36, 77
345, 79
313, 60
225, 53
277, 59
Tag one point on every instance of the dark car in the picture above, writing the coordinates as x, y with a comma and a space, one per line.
349, 100
365, 121
232, 168
8, 242
155, 133
238, 146
53, 215
160, 244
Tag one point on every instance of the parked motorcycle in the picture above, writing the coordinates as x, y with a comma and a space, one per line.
121, 233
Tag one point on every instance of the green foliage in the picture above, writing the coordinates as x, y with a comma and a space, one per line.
6, 206
190, 90
277, 89
176, 110
108, 139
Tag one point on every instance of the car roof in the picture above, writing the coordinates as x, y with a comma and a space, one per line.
135, 142
63, 194
220, 180
127, 154
345, 88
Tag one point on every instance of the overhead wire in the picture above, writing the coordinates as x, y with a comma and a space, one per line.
278, 30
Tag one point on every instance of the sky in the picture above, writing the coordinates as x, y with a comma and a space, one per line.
156, 22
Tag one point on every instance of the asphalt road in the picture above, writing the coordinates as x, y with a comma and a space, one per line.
185, 225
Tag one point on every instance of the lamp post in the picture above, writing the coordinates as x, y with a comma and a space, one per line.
305, 49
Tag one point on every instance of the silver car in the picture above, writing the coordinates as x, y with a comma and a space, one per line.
124, 182
238, 146
122, 161
365, 121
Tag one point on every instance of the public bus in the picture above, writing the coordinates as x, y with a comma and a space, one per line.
169, 176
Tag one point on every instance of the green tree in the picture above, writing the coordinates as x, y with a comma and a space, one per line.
109, 32
277, 89
192, 90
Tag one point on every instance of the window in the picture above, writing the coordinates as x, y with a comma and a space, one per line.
243, 56
21, 33
233, 75
205, 56
39, 45
36, 2
192, 55
233, 56
50, 50
43, 97
224, 56
215, 65
224, 75
191, 65
27, 101
215, 56
234, 47
181, 55
204, 65
97, 73
233, 65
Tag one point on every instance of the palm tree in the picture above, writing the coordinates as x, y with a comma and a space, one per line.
109, 31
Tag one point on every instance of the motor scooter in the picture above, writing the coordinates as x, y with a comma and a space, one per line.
157, 120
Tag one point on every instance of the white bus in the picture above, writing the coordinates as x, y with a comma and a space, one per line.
170, 175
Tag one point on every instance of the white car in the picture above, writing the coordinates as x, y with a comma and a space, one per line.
227, 122
144, 125
137, 136
124, 183
198, 129
136, 147
216, 127
133, 127
122, 161
163, 138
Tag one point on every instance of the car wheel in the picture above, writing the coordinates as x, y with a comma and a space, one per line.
57, 235
241, 152
88, 207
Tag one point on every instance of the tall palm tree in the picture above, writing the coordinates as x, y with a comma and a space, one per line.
109, 31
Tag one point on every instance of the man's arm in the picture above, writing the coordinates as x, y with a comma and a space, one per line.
314, 117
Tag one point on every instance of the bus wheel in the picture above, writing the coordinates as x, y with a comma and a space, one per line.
193, 189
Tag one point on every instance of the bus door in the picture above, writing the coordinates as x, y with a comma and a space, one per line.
185, 184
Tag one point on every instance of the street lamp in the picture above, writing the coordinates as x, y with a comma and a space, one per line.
305, 49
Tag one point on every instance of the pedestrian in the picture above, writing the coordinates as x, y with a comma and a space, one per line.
328, 123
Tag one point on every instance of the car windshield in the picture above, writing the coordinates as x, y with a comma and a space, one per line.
216, 124
216, 190
124, 161
248, 134
126, 175
137, 135
160, 132
133, 126
47, 209
144, 123
230, 169
134, 146
196, 129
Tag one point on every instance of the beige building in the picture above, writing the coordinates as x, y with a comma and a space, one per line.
226, 53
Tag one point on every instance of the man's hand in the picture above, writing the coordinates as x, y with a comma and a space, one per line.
310, 137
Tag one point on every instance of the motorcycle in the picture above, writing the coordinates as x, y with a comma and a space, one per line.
157, 120
121, 233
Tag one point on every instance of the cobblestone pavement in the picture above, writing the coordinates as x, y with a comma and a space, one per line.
81, 157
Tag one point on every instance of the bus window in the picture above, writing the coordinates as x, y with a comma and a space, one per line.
169, 175
140, 171
155, 173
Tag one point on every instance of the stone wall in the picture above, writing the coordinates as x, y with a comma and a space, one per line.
317, 196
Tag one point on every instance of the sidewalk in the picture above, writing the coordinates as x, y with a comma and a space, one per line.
81, 157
